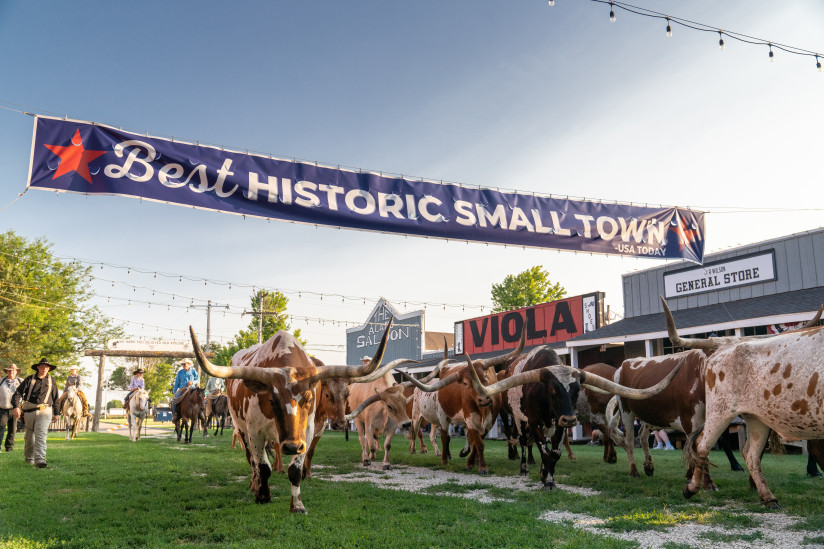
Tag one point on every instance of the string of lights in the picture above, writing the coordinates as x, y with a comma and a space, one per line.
702, 27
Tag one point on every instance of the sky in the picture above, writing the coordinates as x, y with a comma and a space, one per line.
514, 94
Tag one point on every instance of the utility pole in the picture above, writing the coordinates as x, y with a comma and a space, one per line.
260, 313
208, 308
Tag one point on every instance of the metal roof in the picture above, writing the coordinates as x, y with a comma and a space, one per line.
796, 306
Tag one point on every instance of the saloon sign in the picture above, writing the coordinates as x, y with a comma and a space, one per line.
545, 323
405, 336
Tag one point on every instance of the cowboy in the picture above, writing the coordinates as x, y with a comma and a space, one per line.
8, 424
366, 359
214, 388
186, 377
36, 396
74, 379
136, 383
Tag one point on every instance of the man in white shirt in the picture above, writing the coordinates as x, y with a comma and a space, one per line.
8, 423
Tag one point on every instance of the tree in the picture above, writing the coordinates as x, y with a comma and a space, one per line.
529, 287
267, 302
44, 307
159, 377
114, 404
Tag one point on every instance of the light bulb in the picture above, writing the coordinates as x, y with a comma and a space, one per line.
669, 29
551, 3
720, 41
817, 64
772, 55
611, 16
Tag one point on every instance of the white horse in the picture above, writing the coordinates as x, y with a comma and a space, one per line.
72, 411
136, 412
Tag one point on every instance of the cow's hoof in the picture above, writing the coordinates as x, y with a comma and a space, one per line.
483, 472
524, 473
549, 486
634, 474
387, 466
649, 470
263, 498
300, 510
772, 504
711, 487
412, 451
687, 492
816, 475
424, 451
737, 467
366, 463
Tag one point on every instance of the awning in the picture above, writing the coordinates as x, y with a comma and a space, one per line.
797, 306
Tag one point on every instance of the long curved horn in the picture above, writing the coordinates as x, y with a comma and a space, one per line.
263, 375
503, 359
437, 386
363, 405
380, 372
814, 322
522, 378
592, 380
678, 341
326, 372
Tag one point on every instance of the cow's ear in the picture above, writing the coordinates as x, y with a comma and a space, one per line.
255, 386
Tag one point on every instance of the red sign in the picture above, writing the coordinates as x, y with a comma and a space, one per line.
545, 323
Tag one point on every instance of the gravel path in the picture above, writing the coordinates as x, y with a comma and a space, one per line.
774, 528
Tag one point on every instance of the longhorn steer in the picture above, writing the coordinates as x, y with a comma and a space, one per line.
540, 392
774, 382
273, 396
378, 406
453, 400
592, 405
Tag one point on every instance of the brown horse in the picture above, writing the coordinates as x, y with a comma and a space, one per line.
191, 411
220, 409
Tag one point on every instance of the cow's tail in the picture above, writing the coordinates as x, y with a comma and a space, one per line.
690, 455
776, 446
613, 418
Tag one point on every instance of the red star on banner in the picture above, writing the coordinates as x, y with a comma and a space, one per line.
74, 158
686, 236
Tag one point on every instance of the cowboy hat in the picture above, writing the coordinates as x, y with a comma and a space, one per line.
186, 361
366, 357
11, 366
139, 371
43, 362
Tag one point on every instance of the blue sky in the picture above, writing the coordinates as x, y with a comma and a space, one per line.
502, 94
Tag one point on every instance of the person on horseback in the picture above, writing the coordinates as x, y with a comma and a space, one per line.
186, 377
74, 379
136, 383
214, 388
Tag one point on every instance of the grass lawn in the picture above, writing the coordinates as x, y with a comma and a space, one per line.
103, 491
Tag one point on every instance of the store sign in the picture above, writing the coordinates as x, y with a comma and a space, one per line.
150, 345
721, 275
545, 323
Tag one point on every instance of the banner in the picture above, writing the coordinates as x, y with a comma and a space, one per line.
87, 158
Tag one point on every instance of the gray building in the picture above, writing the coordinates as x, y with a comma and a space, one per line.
760, 288
405, 336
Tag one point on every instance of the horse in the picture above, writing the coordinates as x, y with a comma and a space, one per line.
136, 410
191, 410
72, 411
220, 409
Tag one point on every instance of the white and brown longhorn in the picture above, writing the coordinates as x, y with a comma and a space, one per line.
273, 391
774, 382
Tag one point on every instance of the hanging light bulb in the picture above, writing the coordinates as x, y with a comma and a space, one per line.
817, 64
720, 41
551, 3
611, 14
772, 55
669, 29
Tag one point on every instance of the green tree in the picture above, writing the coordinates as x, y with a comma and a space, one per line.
526, 288
44, 307
114, 404
268, 303
159, 377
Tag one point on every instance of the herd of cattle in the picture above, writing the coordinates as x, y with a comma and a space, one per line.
281, 397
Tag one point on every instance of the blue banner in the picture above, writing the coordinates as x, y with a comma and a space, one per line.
87, 158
